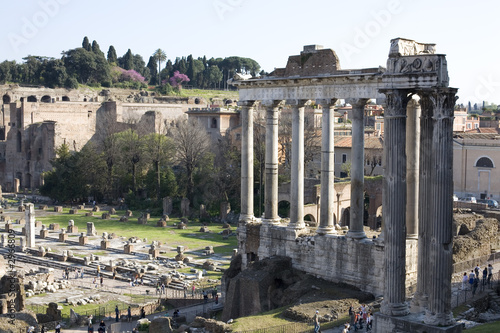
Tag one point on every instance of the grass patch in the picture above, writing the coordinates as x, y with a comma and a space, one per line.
190, 238
459, 309
264, 320
486, 328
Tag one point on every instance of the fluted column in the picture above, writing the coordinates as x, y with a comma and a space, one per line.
247, 213
357, 169
271, 167
420, 299
326, 222
441, 222
394, 203
412, 165
297, 176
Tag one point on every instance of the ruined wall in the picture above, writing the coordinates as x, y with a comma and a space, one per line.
332, 257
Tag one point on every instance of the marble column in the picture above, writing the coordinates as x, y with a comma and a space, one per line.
394, 203
326, 222
420, 299
357, 169
297, 176
412, 166
441, 221
30, 225
271, 167
247, 182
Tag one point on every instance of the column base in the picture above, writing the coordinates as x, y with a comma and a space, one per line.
244, 218
296, 226
356, 234
394, 309
439, 319
273, 221
409, 324
419, 303
326, 230
412, 236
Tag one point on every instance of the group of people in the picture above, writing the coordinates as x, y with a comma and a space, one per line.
100, 329
78, 273
473, 278
359, 317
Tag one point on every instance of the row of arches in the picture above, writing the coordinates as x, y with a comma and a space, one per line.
6, 99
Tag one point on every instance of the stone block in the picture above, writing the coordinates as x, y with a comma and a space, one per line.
142, 220
128, 248
104, 244
21, 208
54, 226
83, 240
128, 213
73, 211
44, 233
4, 218
154, 252
81, 207
161, 224
96, 209
89, 214
63, 237
112, 211
72, 229
409, 324
21, 221
43, 207
8, 227
58, 209
106, 216
123, 219
38, 224
23, 231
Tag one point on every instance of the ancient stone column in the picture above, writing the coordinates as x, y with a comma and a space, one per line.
394, 203
30, 225
297, 176
441, 221
271, 167
326, 222
357, 169
412, 167
420, 299
246, 214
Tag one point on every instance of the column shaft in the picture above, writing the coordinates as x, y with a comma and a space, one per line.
357, 169
412, 165
441, 251
394, 203
247, 212
297, 176
327, 169
271, 171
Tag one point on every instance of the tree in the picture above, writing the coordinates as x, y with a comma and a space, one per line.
54, 73
86, 44
96, 49
112, 58
131, 148
214, 76
128, 60
192, 144
159, 152
178, 79
159, 56
373, 157
153, 70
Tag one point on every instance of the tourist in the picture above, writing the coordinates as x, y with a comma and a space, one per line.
117, 313
81, 273
143, 313
205, 296
464, 280
31, 329
90, 319
192, 290
43, 329
102, 327
185, 291
351, 315
471, 278
316, 322
485, 275
114, 274
102, 281
163, 288
369, 321
476, 270
475, 285
216, 298
176, 313
129, 314
90, 329
490, 274
58, 327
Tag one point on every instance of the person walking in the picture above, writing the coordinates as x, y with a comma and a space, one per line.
485, 275
129, 314
471, 278
316, 322
475, 285
490, 275
143, 313
58, 327
102, 327
117, 313
102, 281
465, 279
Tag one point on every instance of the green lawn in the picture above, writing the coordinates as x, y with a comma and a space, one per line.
486, 328
190, 238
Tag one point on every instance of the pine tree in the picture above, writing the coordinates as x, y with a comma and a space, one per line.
86, 43
128, 60
112, 58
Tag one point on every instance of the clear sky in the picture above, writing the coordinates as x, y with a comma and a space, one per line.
267, 31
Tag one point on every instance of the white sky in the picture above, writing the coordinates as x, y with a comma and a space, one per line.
267, 31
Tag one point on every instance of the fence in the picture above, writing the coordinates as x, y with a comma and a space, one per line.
466, 293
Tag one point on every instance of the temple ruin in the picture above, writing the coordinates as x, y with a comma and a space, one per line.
414, 251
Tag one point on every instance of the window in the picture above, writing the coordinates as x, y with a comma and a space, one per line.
469, 126
476, 125
344, 158
214, 123
484, 162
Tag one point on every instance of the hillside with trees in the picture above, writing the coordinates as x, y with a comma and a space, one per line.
88, 65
